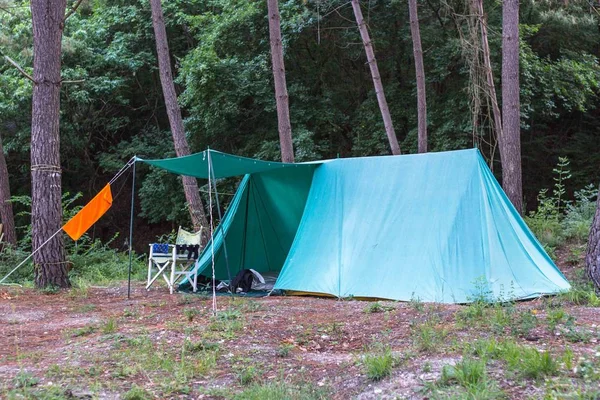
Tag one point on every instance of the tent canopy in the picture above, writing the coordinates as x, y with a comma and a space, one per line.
224, 165
435, 227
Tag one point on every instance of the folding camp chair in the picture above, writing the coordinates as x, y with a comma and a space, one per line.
173, 261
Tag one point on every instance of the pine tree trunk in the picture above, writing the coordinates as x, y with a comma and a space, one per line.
510, 140
592, 258
385, 112
281, 94
46, 208
489, 76
6, 210
420, 73
190, 184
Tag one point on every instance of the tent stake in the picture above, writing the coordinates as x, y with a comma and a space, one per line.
220, 219
131, 231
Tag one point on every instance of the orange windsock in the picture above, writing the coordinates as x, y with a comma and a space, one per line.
89, 214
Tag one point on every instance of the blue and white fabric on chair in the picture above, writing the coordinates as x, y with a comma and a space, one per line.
160, 248
172, 264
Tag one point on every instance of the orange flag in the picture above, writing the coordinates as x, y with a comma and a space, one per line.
89, 214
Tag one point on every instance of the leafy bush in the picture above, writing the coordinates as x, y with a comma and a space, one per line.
556, 220
579, 215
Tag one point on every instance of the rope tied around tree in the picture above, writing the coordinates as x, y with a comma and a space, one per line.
46, 168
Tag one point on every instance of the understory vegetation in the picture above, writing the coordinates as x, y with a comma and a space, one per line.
221, 64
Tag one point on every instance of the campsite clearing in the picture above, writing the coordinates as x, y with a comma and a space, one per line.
94, 343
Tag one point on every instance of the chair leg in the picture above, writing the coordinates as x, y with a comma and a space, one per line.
173, 267
149, 272
160, 272
195, 279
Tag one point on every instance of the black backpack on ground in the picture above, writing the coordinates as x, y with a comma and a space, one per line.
242, 280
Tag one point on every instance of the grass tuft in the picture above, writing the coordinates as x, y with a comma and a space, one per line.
379, 365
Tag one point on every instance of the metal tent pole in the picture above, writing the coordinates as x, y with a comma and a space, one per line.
131, 231
212, 170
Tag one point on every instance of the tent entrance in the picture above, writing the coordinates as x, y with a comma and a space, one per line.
260, 223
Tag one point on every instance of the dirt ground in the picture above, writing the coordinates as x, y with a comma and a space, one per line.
95, 343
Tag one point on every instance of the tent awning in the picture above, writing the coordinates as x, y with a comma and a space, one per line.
224, 165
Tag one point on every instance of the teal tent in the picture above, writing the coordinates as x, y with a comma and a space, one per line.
435, 227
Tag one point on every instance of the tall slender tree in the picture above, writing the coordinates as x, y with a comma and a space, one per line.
481, 22
6, 210
592, 257
281, 93
510, 140
420, 74
383, 106
190, 184
46, 208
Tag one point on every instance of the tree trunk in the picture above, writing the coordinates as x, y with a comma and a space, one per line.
6, 210
385, 112
281, 94
592, 258
489, 76
510, 140
420, 73
46, 208
190, 184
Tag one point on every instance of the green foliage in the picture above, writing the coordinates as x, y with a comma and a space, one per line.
137, 393
376, 307
84, 331
527, 362
282, 390
579, 214
525, 322
190, 313
537, 364
194, 347
555, 317
556, 220
25, 379
467, 373
428, 337
284, 350
379, 364
247, 375
110, 326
